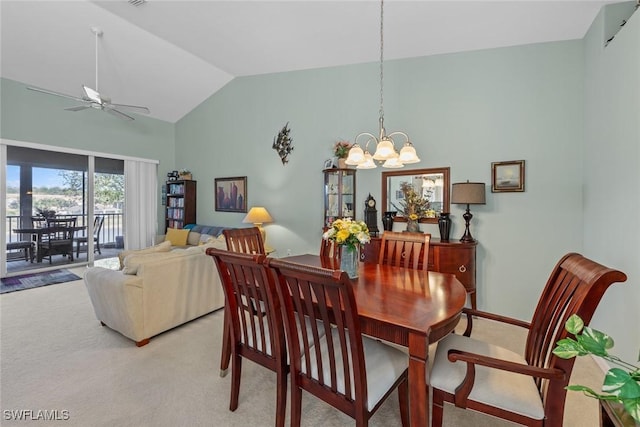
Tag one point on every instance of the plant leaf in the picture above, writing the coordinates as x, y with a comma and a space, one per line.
595, 342
620, 383
567, 348
632, 406
574, 324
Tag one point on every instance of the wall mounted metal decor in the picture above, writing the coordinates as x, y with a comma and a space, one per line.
282, 144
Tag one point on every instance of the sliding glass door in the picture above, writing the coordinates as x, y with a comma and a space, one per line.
43, 184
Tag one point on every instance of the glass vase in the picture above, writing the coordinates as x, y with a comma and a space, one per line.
349, 259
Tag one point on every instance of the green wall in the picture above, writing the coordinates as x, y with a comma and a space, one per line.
35, 117
612, 171
461, 110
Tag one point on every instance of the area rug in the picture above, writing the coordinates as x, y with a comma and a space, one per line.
35, 280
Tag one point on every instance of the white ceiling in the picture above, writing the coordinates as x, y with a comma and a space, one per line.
172, 55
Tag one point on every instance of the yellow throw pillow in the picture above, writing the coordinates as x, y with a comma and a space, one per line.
177, 237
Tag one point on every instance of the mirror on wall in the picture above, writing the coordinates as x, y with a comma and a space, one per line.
432, 184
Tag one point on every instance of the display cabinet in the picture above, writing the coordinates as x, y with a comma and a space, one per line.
181, 204
339, 194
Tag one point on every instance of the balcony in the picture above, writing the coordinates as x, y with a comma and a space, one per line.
110, 242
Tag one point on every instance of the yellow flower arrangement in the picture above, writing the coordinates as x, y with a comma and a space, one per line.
348, 232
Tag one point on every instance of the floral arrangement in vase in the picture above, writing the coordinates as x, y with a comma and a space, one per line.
413, 207
341, 152
341, 149
349, 234
621, 384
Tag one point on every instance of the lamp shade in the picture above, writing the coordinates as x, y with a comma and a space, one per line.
257, 215
468, 193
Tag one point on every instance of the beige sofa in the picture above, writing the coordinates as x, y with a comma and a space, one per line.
156, 290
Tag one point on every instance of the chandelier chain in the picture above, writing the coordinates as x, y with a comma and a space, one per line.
381, 60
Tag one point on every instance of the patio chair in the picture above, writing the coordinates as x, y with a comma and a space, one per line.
83, 240
58, 240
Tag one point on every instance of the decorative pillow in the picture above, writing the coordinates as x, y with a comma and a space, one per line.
161, 247
177, 237
133, 261
194, 238
204, 238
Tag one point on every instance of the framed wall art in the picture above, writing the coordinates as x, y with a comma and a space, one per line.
507, 176
231, 194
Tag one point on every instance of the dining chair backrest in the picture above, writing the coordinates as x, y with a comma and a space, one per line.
38, 221
408, 250
97, 226
244, 240
329, 249
332, 290
256, 334
62, 222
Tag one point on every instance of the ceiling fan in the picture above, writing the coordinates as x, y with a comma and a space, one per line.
93, 99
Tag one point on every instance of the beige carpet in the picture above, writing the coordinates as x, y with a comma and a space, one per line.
55, 356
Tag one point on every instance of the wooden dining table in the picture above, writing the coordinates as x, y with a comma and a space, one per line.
411, 308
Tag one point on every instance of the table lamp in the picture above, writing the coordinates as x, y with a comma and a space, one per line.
469, 193
258, 215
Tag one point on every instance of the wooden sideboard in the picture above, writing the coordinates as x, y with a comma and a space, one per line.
445, 257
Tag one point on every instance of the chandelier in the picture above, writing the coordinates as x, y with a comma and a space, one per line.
385, 145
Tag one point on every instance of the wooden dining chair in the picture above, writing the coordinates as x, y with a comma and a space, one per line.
256, 335
58, 240
241, 240
529, 389
345, 369
408, 250
329, 249
245, 240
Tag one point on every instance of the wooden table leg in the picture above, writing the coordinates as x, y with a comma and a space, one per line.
418, 373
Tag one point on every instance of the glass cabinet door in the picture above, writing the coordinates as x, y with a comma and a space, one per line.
339, 194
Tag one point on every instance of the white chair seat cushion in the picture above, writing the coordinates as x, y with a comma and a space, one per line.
506, 390
384, 365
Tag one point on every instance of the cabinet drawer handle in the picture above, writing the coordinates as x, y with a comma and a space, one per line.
462, 269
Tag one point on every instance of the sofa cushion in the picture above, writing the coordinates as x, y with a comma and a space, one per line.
161, 247
215, 242
177, 237
193, 239
133, 261
204, 238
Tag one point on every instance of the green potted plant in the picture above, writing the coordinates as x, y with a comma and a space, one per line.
341, 151
621, 383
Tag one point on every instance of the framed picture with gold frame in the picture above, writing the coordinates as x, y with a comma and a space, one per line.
507, 176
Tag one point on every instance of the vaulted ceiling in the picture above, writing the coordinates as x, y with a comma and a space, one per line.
172, 55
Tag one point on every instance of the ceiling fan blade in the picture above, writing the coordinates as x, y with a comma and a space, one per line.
92, 94
133, 108
50, 92
78, 108
118, 114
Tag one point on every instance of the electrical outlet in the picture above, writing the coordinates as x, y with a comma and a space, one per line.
288, 252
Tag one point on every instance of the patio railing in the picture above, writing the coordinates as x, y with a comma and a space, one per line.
111, 227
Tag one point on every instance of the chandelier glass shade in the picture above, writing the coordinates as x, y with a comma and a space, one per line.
386, 150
